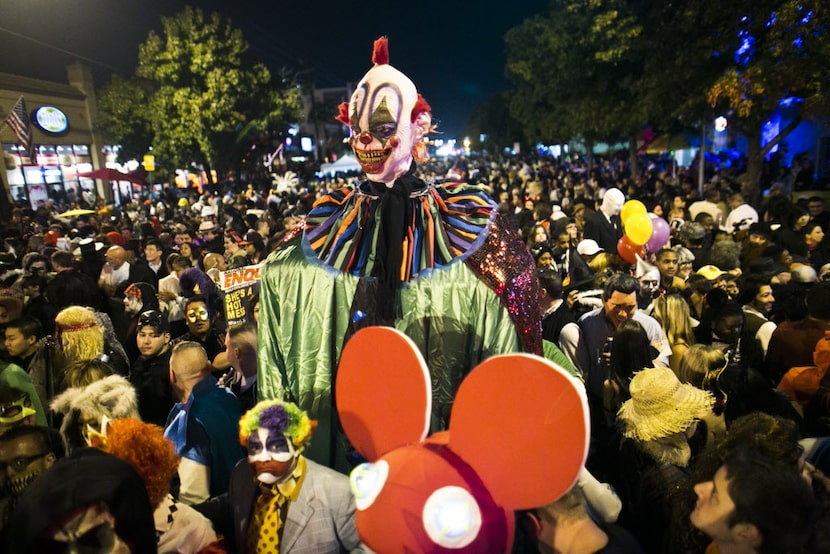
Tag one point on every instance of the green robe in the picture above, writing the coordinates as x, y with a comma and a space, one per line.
453, 312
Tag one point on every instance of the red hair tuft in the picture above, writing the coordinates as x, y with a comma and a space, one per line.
343, 115
380, 51
420, 106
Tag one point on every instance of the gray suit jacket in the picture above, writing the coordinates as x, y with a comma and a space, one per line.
321, 520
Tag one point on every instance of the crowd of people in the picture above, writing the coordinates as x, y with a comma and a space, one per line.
704, 364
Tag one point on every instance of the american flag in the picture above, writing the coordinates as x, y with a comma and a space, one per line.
18, 120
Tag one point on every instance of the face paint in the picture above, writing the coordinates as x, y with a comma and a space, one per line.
21, 469
17, 485
132, 305
380, 113
91, 530
272, 457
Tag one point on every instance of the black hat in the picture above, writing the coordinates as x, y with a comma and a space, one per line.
252, 237
88, 477
579, 274
540, 248
155, 319
761, 229
765, 267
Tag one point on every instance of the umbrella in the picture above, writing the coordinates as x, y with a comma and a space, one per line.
667, 142
77, 212
109, 174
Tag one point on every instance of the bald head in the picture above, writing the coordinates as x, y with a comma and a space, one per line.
116, 256
214, 261
188, 364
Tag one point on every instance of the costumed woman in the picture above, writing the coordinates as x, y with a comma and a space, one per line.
436, 261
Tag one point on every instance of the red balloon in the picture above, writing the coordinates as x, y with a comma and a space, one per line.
629, 251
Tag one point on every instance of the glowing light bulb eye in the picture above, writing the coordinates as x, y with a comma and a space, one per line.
367, 481
451, 517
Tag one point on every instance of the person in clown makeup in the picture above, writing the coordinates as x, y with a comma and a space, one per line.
433, 259
278, 500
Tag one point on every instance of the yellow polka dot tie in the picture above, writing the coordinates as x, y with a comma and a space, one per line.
271, 506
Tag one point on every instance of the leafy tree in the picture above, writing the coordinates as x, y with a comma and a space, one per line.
197, 96
606, 67
569, 79
781, 51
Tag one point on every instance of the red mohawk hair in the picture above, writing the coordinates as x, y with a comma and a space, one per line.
380, 51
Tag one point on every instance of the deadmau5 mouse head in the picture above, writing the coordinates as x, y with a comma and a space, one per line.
387, 119
517, 439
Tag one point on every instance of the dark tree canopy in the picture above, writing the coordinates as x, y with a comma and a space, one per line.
604, 69
197, 96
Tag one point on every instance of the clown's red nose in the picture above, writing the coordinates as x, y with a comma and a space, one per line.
365, 138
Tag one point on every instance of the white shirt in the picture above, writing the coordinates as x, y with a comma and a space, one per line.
764, 333
705, 206
170, 283
115, 277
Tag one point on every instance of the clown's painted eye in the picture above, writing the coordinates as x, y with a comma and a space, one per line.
452, 518
367, 481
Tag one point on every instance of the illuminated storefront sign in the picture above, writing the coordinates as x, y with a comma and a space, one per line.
51, 120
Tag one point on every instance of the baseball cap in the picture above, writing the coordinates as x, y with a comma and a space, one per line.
588, 247
234, 236
711, 272
208, 211
252, 237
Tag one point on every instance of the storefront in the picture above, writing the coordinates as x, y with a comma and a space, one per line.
62, 119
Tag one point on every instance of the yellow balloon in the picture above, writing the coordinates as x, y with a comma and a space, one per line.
638, 229
632, 208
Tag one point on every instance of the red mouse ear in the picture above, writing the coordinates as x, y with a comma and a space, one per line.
521, 422
383, 391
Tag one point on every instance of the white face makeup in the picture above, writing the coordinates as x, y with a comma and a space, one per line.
132, 305
272, 457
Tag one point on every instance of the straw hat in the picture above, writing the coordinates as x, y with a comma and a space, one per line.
661, 405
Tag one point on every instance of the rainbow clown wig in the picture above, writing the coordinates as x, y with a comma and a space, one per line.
280, 417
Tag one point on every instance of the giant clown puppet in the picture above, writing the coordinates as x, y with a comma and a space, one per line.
435, 261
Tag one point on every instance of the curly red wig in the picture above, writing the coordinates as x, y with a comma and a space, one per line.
143, 446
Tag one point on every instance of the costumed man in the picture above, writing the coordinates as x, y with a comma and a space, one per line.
436, 261
605, 226
179, 528
279, 500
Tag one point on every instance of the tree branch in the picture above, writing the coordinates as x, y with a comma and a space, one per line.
782, 134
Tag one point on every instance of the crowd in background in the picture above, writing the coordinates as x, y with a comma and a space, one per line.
713, 342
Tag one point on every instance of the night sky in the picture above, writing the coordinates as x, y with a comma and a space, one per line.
452, 50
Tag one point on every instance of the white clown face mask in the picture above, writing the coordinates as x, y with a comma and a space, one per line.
382, 132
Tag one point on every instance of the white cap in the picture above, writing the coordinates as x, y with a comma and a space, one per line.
558, 214
208, 211
588, 247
